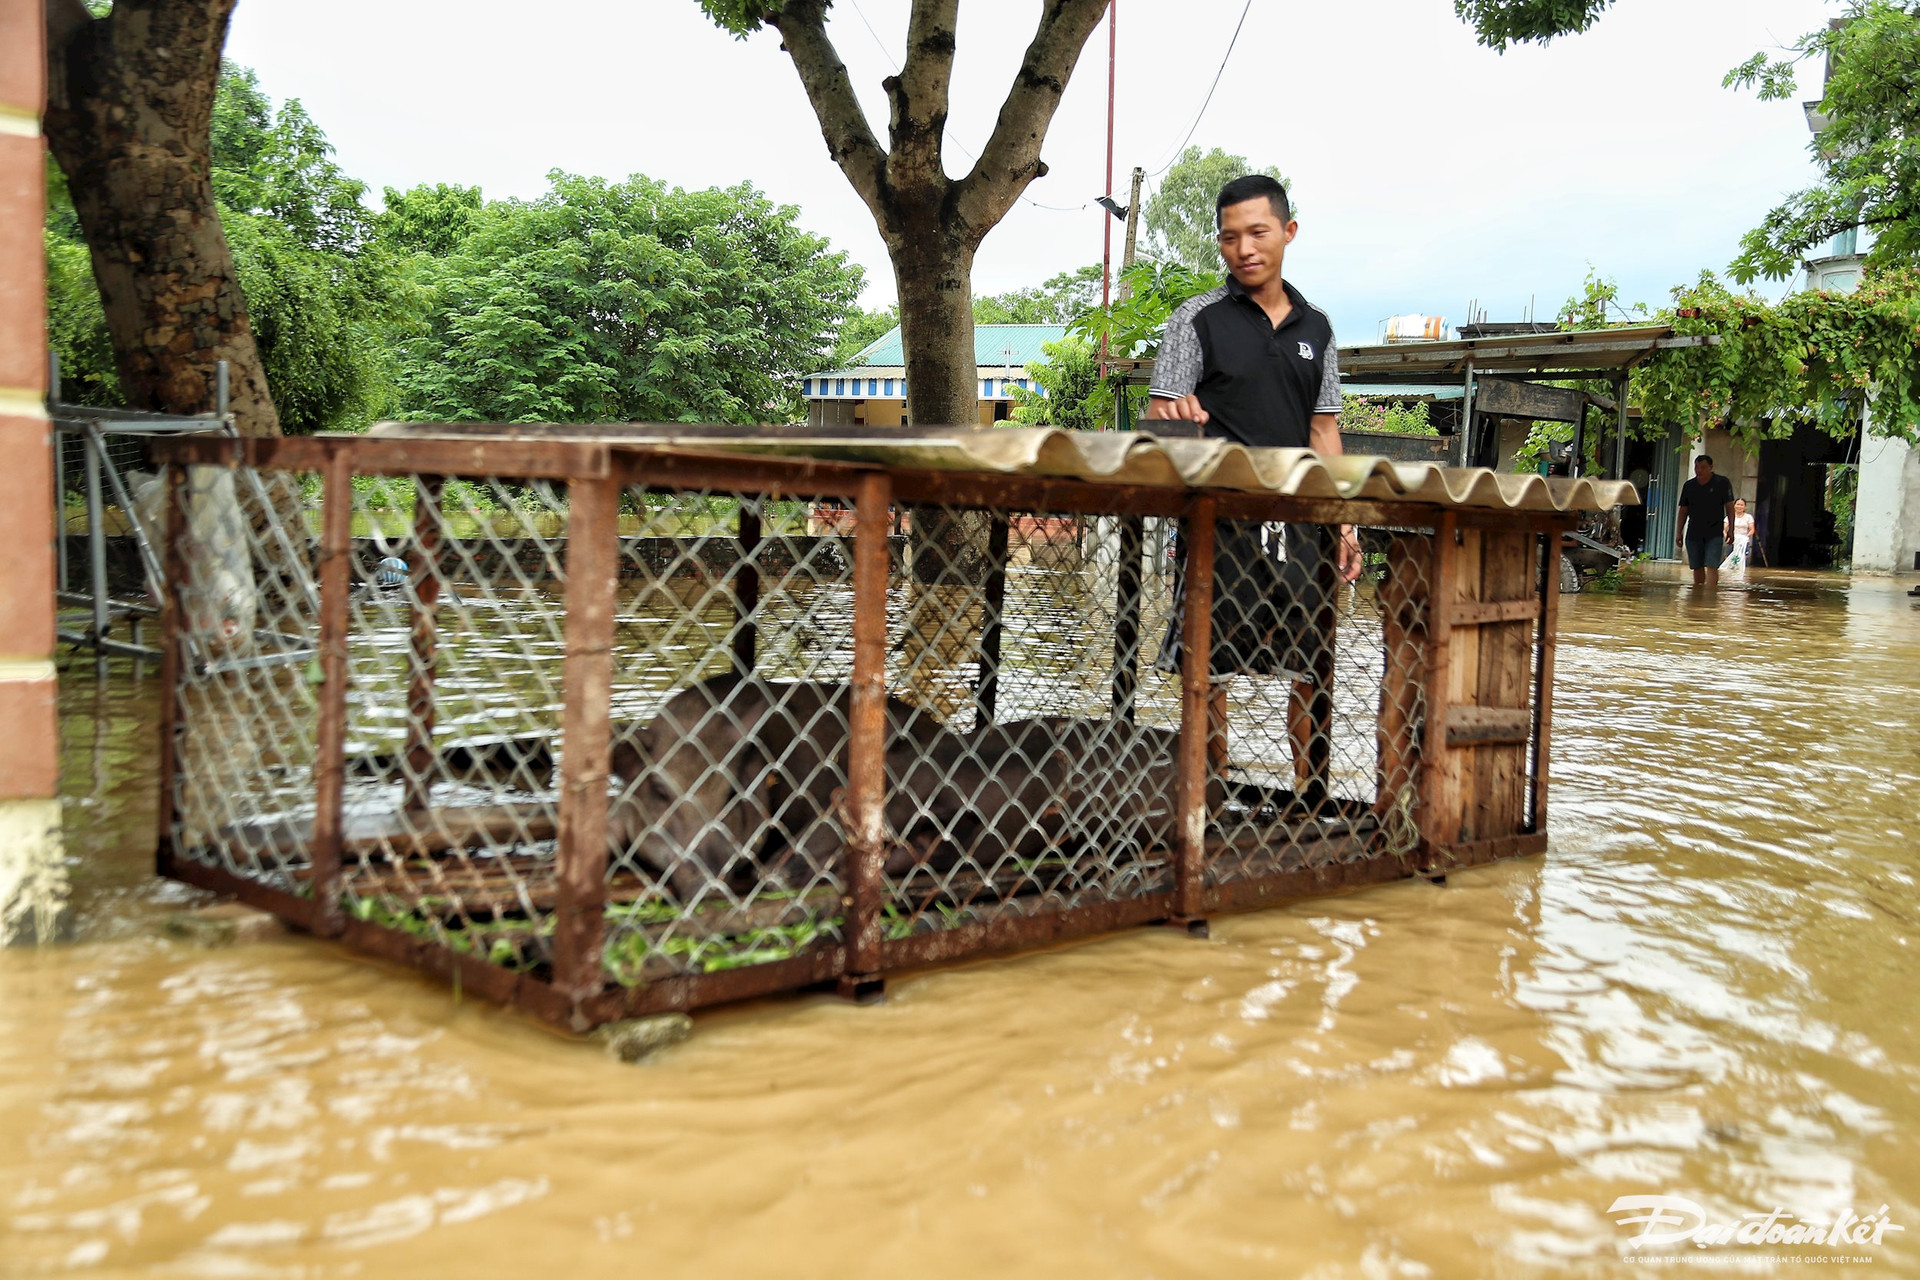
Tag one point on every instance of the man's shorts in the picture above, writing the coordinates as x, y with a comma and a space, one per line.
1273, 602
1706, 553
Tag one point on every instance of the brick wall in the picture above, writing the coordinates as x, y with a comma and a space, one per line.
29, 748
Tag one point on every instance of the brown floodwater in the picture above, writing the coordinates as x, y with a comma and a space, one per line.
1706, 988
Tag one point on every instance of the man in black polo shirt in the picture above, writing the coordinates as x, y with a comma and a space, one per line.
1706, 521
1253, 361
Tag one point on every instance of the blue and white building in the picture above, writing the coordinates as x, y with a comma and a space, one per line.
872, 389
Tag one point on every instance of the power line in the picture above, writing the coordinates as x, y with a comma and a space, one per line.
886, 52
1209, 98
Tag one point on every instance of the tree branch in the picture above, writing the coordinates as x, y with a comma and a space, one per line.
850, 141
919, 95
1011, 158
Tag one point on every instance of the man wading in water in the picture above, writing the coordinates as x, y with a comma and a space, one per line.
1253, 361
1706, 521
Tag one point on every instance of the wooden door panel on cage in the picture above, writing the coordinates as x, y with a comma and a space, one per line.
1483, 780
606, 720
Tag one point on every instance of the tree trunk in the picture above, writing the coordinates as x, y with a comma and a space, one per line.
943, 390
129, 106
935, 281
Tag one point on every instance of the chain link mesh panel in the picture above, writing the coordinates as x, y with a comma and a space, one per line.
732, 655
1316, 696
248, 605
1053, 784
454, 699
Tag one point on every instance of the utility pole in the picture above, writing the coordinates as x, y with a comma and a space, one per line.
1106, 225
1126, 260
1133, 229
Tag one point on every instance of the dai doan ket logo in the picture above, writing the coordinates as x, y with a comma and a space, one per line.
1667, 1220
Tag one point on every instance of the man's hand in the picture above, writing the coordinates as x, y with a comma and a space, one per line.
1187, 408
1349, 559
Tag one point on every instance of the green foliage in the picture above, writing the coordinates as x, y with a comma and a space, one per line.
860, 330
280, 165
626, 301
1843, 495
1060, 300
1180, 216
1074, 395
1608, 581
1545, 437
627, 952
1390, 417
76, 320
743, 17
319, 290
1501, 23
1813, 357
1133, 326
77, 326
315, 318
434, 220
1596, 305
1867, 149
600, 301
318, 293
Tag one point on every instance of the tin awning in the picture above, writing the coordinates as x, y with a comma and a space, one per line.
1098, 457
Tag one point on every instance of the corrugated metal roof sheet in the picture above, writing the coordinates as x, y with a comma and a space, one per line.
1408, 391
1113, 457
993, 344
1567, 351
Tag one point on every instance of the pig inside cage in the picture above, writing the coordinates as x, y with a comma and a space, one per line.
604, 726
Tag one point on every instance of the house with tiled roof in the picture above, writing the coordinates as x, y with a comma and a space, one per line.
872, 389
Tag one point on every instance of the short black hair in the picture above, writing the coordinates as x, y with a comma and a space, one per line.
1706, 458
1252, 186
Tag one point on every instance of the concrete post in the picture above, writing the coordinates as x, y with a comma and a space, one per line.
29, 749
1886, 514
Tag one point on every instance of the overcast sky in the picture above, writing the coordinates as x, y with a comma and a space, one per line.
1428, 171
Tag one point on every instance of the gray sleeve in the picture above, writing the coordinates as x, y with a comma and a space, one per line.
1329, 401
1177, 366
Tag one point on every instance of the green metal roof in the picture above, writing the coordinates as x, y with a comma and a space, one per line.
993, 344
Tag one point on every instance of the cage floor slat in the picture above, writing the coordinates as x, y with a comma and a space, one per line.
403, 832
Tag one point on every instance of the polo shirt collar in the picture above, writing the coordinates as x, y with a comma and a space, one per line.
1237, 290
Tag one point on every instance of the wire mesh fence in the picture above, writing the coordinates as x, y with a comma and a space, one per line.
618, 732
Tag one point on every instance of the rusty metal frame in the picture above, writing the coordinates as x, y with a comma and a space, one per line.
1196, 662
423, 628
867, 734
592, 599
330, 734
172, 662
597, 473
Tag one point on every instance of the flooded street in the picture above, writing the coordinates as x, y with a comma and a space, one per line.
1705, 989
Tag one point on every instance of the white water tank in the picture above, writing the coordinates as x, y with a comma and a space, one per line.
1416, 328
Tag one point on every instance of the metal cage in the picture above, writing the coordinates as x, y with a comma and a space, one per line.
602, 727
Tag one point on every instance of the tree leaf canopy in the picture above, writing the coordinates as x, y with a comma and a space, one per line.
627, 301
